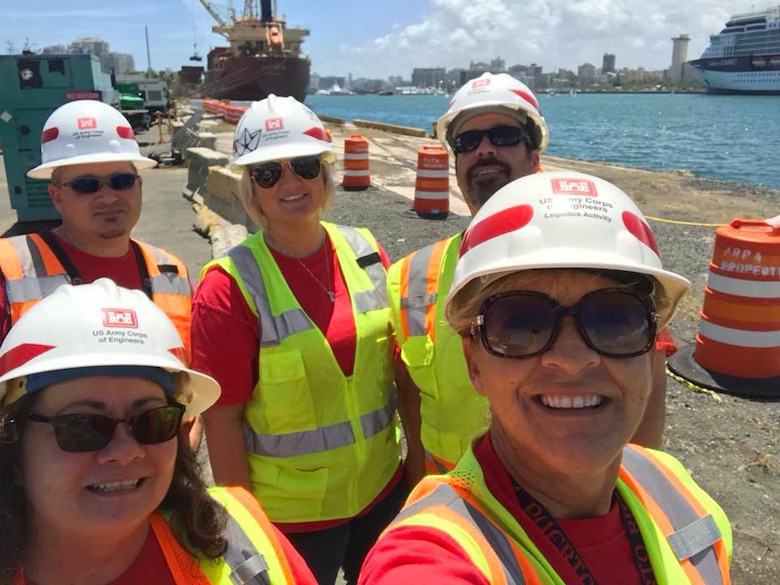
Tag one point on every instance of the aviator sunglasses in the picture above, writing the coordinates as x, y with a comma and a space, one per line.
79, 433
613, 322
498, 136
267, 174
88, 184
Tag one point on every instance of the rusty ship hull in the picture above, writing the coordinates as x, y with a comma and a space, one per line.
253, 77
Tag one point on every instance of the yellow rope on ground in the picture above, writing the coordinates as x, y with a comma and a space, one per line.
691, 386
677, 222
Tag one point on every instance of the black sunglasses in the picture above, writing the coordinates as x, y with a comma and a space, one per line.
88, 184
79, 433
498, 136
267, 174
613, 322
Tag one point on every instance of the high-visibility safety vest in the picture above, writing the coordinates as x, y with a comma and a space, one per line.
32, 271
452, 412
686, 534
321, 445
254, 554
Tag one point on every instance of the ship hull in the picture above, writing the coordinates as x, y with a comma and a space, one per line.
254, 77
746, 75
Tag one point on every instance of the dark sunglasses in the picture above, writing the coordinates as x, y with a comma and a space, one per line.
79, 433
613, 322
88, 184
267, 174
498, 136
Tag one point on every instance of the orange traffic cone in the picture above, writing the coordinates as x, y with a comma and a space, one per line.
432, 187
357, 175
737, 348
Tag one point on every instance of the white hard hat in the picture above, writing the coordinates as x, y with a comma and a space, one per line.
99, 325
278, 128
87, 131
561, 220
500, 93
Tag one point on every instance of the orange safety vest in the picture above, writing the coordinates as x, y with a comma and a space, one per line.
254, 553
32, 270
687, 535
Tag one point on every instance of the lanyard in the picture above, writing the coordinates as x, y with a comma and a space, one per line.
552, 530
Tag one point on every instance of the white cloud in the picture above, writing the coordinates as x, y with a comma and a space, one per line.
552, 33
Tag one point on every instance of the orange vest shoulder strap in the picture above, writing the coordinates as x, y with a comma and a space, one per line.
182, 564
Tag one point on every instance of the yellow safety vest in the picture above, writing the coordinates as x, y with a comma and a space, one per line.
687, 535
32, 271
321, 445
452, 412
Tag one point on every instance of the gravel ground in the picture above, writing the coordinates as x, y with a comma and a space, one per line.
730, 444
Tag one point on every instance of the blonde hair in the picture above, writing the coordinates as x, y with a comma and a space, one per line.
246, 193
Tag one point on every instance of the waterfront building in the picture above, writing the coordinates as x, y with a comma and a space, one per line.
608, 63
679, 57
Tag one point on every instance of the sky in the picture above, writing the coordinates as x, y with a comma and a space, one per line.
379, 38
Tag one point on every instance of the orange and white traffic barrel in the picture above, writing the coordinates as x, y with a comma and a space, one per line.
357, 174
737, 347
432, 187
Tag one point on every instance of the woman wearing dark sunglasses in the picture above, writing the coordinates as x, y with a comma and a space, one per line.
96, 484
293, 323
558, 295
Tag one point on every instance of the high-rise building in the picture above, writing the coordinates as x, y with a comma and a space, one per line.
428, 76
679, 56
608, 63
586, 73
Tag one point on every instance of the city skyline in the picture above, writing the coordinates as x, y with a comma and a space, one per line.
383, 39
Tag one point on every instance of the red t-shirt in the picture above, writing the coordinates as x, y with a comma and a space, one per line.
122, 270
415, 554
218, 306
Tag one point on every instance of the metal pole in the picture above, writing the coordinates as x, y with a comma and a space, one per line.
148, 57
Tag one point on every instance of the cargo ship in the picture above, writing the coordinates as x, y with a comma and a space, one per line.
744, 57
264, 55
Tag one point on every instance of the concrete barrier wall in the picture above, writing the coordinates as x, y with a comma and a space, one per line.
220, 195
200, 160
332, 120
406, 130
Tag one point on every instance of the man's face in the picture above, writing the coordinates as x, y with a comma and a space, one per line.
104, 215
484, 170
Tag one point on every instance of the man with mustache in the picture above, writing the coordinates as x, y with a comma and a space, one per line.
91, 158
496, 132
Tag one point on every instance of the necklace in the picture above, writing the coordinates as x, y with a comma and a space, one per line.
329, 289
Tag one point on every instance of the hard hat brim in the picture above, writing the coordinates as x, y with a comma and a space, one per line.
674, 285
194, 390
281, 152
44, 171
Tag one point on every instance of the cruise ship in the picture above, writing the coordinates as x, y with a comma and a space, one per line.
743, 58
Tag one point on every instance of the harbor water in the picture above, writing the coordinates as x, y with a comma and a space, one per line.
734, 138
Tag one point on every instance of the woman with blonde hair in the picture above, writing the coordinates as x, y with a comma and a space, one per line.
294, 323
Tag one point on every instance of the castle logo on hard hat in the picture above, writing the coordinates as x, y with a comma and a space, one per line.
575, 187
480, 83
126, 318
498, 224
86, 123
273, 124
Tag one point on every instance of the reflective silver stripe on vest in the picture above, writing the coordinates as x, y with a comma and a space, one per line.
418, 299
247, 564
496, 540
273, 328
694, 537
168, 283
316, 440
369, 300
35, 284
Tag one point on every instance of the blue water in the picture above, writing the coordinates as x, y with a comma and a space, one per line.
736, 138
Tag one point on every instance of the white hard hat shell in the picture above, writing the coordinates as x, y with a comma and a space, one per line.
278, 128
87, 131
494, 93
562, 220
101, 324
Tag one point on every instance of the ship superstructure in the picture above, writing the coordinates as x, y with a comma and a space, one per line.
744, 57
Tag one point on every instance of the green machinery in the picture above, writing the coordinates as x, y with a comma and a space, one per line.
31, 88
